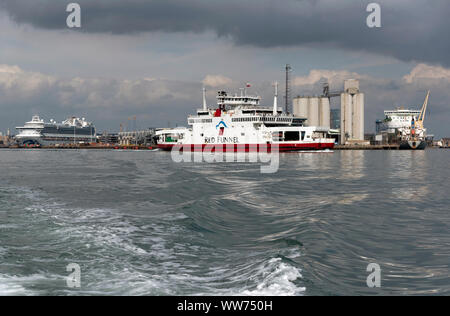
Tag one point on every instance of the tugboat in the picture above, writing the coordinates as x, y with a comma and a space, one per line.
240, 124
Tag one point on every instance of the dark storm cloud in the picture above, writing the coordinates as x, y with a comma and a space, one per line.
412, 30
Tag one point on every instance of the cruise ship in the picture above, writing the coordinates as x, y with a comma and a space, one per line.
74, 130
240, 124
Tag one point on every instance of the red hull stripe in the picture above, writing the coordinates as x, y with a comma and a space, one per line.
248, 147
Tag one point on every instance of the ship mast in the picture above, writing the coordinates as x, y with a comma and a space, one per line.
204, 99
287, 97
275, 100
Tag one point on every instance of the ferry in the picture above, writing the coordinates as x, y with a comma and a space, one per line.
38, 133
240, 124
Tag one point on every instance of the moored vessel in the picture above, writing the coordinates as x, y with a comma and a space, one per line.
406, 127
239, 123
71, 131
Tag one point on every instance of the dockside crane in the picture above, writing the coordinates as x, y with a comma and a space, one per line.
421, 118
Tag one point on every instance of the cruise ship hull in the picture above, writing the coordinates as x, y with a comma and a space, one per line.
286, 147
42, 142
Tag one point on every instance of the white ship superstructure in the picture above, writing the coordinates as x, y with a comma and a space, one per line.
398, 119
240, 123
71, 131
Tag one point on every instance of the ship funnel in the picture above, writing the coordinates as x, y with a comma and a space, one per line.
204, 100
275, 100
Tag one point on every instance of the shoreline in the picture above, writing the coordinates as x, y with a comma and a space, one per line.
337, 147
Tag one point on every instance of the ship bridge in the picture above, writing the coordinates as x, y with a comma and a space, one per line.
224, 100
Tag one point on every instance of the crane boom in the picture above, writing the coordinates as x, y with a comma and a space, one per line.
423, 112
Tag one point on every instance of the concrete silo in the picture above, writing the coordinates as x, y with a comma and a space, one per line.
352, 112
314, 112
300, 107
303, 107
325, 112
295, 106
346, 116
358, 117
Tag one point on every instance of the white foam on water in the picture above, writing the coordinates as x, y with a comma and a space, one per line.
125, 282
10, 286
293, 253
109, 230
2, 251
17, 285
278, 280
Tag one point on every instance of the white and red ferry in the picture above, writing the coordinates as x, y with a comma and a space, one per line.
239, 123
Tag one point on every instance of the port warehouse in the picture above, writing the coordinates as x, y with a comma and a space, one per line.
142, 138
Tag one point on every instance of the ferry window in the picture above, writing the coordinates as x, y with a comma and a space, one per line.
291, 136
277, 136
303, 135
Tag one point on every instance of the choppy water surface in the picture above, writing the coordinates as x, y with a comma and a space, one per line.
139, 224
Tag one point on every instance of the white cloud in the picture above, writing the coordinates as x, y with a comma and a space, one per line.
104, 101
16, 83
13, 79
423, 71
217, 81
7, 69
333, 76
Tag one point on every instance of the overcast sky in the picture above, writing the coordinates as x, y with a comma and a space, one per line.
150, 58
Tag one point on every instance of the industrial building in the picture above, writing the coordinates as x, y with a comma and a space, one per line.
352, 113
335, 119
144, 137
107, 138
315, 109
347, 122
5, 140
